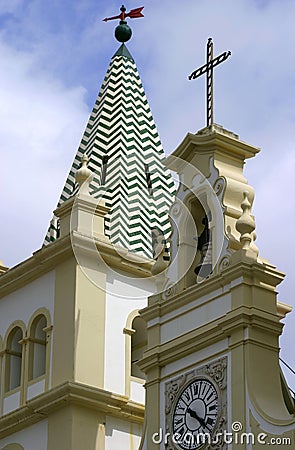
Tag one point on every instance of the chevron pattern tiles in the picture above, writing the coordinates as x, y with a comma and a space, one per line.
125, 153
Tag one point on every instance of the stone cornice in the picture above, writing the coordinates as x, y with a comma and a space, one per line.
210, 139
41, 262
117, 257
243, 271
40, 407
222, 328
48, 257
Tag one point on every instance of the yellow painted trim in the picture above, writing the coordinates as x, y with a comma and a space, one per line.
25, 341
15, 323
13, 447
45, 404
5, 380
128, 331
2, 353
40, 311
75, 427
63, 342
79, 319
137, 380
48, 330
218, 140
266, 277
36, 380
48, 257
44, 259
283, 309
213, 332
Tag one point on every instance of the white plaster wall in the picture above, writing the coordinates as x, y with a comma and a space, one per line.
137, 392
31, 438
124, 294
11, 402
192, 318
214, 351
21, 304
121, 434
36, 389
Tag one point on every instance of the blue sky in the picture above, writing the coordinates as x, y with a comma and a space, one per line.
54, 56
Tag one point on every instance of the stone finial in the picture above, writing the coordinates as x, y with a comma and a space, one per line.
246, 224
84, 176
253, 246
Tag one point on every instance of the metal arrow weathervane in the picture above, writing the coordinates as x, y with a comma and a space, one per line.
133, 14
123, 32
208, 69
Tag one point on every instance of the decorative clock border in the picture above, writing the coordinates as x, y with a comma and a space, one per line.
217, 372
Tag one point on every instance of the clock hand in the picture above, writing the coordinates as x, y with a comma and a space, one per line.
193, 414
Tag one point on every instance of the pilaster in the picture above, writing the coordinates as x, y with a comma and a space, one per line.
79, 311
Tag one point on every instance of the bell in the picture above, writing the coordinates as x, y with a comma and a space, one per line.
204, 268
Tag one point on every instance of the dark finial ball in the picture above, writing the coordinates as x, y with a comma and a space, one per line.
123, 32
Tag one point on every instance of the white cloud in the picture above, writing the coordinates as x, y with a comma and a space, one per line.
43, 111
41, 124
9, 6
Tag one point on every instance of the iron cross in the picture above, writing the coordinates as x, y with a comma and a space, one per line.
208, 69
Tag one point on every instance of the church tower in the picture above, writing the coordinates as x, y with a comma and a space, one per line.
212, 360
125, 154
70, 331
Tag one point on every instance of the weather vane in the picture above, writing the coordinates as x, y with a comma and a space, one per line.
123, 32
208, 69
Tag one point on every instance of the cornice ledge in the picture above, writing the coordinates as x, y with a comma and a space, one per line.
244, 271
182, 346
258, 273
45, 259
40, 407
244, 316
283, 309
150, 359
215, 139
160, 304
287, 422
197, 339
151, 312
101, 246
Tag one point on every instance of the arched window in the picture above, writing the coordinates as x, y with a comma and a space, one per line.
138, 345
37, 349
198, 248
13, 366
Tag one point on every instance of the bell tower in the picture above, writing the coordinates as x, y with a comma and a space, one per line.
70, 331
212, 360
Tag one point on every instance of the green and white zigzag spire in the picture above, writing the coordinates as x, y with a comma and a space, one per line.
125, 153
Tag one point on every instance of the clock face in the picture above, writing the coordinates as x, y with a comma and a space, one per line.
195, 414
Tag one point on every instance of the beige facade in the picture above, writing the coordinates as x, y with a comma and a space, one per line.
71, 394
77, 316
221, 330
